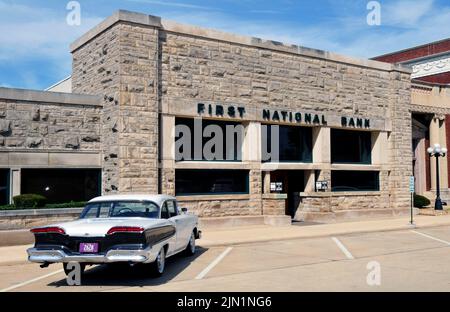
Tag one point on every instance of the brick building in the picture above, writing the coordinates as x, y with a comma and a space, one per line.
342, 126
430, 109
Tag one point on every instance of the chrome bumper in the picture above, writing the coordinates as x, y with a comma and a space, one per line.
118, 255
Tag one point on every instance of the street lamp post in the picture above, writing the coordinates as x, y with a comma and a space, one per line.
437, 151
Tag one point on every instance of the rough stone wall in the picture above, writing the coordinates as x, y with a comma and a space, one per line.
130, 64
41, 126
95, 70
168, 181
202, 69
121, 65
400, 142
221, 208
274, 207
210, 70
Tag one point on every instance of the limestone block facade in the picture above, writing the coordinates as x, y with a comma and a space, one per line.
151, 72
46, 130
150, 75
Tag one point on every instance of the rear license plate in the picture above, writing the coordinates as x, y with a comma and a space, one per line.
89, 247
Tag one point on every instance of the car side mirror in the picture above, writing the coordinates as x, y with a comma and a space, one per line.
184, 210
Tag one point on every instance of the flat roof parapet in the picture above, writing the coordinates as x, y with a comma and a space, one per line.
171, 26
49, 97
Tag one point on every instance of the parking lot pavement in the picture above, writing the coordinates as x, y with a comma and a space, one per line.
408, 260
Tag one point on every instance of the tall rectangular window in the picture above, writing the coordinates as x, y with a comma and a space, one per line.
211, 182
351, 147
209, 140
355, 181
4, 186
61, 185
294, 143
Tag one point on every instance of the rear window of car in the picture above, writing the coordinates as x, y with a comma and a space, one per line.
121, 209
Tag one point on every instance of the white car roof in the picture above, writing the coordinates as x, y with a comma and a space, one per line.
158, 199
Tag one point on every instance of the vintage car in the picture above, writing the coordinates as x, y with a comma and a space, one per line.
119, 228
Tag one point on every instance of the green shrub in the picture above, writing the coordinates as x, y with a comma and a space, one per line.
71, 204
421, 201
29, 201
7, 207
48, 206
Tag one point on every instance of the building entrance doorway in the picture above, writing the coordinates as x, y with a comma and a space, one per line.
292, 184
420, 143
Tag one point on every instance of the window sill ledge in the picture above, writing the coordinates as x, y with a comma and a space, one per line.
213, 197
340, 194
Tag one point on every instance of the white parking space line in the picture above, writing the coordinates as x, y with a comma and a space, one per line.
31, 281
341, 246
431, 237
216, 261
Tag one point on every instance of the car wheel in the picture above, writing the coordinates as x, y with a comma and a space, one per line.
190, 248
67, 271
160, 263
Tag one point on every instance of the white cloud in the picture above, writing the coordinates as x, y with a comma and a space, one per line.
405, 12
348, 35
35, 33
173, 4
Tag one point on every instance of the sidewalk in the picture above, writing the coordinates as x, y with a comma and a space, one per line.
264, 233
253, 234
11, 255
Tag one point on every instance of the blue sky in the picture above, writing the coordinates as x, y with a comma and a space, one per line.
35, 38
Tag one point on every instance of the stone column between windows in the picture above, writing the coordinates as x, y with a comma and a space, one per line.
15, 182
321, 156
167, 158
251, 151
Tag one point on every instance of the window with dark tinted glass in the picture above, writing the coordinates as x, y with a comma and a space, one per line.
61, 185
294, 143
351, 147
232, 133
4, 186
350, 181
192, 182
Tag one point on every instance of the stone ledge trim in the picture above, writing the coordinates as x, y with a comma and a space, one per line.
340, 194
40, 212
46, 159
171, 26
118, 16
417, 108
199, 198
49, 97
275, 196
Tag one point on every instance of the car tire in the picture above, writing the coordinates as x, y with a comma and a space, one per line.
190, 248
159, 264
67, 271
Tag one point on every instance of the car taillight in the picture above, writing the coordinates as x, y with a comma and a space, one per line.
125, 229
51, 229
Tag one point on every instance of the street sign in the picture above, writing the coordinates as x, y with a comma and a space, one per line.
276, 186
321, 185
411, 184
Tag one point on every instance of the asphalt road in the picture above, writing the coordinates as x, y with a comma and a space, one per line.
385, 261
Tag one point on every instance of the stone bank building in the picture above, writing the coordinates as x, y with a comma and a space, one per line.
344, 124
